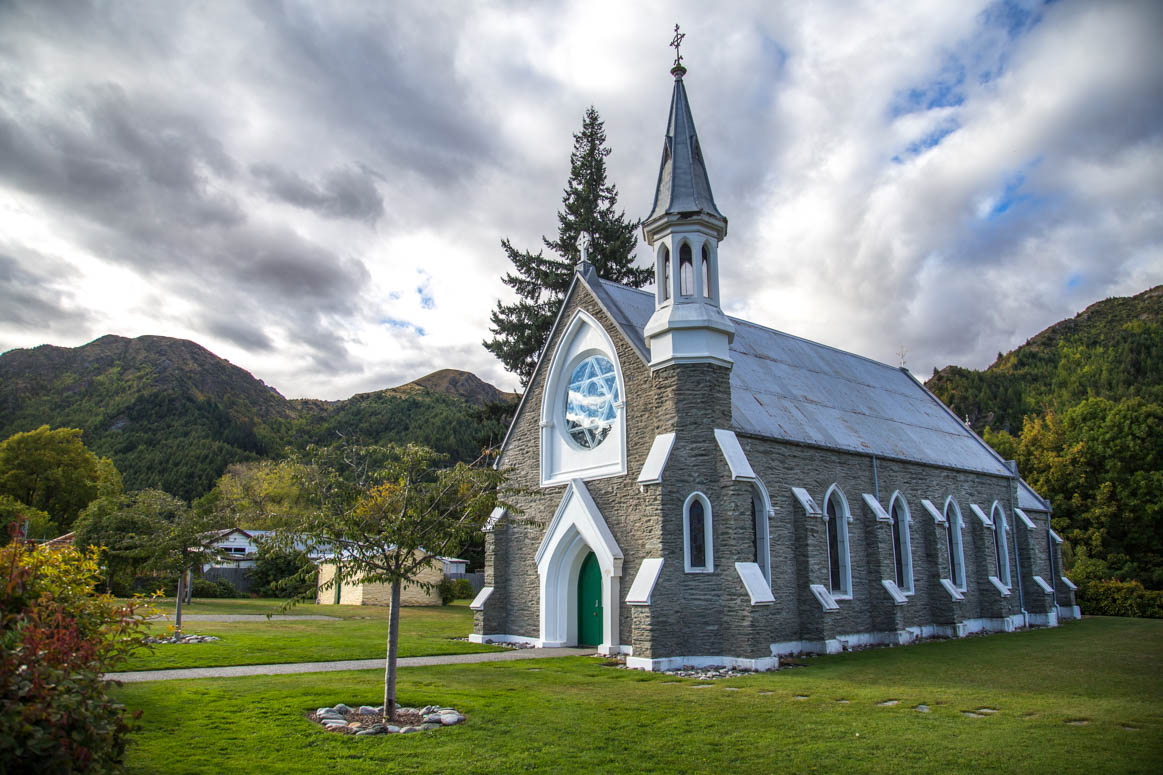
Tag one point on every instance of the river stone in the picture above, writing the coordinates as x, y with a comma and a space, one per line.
323, 711
432, 718
427, 726
341, 708
392, 729
367, 710
448, 719
406, 730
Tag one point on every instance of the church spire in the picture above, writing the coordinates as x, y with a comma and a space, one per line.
683, 187
684, 229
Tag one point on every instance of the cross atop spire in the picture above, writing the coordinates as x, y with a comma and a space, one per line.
678, 71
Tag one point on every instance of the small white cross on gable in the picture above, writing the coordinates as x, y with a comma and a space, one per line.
584, 240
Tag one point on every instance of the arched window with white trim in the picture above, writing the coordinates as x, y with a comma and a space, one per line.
901, 547
839, 560
1001, 543
664, 273
707, 272
956, 551
686, 270
697, 540
760, 536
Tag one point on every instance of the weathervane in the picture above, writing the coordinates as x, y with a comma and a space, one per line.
584, 240
678, 70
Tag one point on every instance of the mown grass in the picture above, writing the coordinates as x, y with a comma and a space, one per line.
358, 632
575, 715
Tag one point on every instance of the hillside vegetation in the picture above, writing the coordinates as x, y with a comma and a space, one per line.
173, 416
1080, 407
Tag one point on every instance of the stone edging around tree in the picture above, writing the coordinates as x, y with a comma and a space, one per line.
369, 719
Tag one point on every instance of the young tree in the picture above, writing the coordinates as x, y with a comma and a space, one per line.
386, 513
520, 329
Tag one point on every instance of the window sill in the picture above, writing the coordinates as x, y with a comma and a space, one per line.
700, 570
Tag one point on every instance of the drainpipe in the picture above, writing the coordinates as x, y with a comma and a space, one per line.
875, 479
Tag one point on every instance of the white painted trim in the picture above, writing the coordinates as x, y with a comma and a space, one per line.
1029, 523
708, 535
1001, 542
805, 499
827, 602
954, 526
560, 458
478, 602
937, 516
679, 663
981, 515
495, 516
1070, 584
479, 638
733, 453
644, 581
952, 589
757, 586
894, 591
1002, 588
576, 529
656, 459
844, 557
1041, 582
1048, 619
872, 503
1057, 538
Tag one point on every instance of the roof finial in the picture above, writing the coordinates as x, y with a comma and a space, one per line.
678, 71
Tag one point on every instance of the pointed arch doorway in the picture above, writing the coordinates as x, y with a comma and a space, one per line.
578, 536
589, 602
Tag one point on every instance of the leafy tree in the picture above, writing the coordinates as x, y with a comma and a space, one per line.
257, 496
126, 528
181, 543
31, 523
1101, 465
389, 512
282, 572
57, 638
50, 470
589, 205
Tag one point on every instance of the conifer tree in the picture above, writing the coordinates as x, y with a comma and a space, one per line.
520, 329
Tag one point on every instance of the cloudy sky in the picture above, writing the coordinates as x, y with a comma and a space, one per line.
317, 191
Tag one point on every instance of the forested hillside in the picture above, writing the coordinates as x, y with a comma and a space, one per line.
1080, 407
1113, 349
172, 415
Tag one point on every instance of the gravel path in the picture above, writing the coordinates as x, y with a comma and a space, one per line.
243, 618
349, 664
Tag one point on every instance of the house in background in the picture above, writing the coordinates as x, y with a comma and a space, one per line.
357, 592
701, 490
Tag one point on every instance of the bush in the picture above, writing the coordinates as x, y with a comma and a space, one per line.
1120, 598
57, 636
462, 589
207, 588
447, 594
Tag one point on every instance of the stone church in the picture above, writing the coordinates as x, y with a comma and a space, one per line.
708, 491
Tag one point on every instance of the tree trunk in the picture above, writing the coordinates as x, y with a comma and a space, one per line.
393, 644
178, 602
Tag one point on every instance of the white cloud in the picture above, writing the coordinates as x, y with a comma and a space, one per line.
277, 182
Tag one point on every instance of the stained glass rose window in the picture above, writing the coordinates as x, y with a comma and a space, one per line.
590, 406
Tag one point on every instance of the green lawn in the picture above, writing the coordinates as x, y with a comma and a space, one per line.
575, 715
359, 632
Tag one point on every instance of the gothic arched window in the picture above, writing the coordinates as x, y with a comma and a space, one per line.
902, 550
707, 272
839, 561
956, 552
1001, 544
665, 273
760, 538
686, 270
697, 534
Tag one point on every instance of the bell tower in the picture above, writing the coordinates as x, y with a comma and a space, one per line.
684, 230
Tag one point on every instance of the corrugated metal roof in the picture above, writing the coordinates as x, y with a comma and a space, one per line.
788, 388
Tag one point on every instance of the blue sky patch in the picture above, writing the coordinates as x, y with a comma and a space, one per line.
403, 325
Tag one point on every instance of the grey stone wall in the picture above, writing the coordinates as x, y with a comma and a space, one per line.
709, 614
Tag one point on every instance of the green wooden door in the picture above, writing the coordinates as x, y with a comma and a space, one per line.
589, 602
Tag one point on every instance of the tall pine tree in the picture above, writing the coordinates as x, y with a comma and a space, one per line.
520, 329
